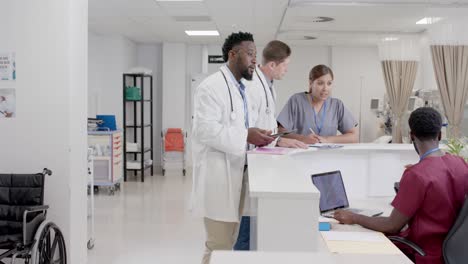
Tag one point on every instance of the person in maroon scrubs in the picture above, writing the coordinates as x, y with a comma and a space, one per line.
431, 193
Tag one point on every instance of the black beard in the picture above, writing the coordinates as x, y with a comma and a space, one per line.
246, 74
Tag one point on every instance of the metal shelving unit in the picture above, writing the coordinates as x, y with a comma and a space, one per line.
137, 125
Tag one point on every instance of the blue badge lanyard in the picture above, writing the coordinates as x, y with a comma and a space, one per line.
428, 153
324, 110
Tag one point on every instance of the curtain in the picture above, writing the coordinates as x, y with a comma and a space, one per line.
451, 71
399, 76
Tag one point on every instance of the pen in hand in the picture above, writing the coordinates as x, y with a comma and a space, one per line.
313, 133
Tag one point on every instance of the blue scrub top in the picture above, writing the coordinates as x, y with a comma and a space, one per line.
298, 114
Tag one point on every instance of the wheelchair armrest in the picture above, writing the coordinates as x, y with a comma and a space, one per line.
410, 244
28, 210
36, 208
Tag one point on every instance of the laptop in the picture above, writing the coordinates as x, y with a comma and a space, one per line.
333, 195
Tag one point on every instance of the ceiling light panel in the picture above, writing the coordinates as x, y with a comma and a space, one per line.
428, 20
194, 33
184, 8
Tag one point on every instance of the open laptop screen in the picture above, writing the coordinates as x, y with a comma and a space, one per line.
332, 191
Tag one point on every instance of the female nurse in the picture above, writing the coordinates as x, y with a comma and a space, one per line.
315, 115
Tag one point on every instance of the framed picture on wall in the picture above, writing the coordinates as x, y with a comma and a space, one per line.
7, 66
7, 103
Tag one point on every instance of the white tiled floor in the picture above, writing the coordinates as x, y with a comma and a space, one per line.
147, 223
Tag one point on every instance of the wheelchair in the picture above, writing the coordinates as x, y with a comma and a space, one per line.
24, 231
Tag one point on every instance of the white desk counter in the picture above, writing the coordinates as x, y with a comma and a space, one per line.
286, 205
287, 202
256, 257
368, 170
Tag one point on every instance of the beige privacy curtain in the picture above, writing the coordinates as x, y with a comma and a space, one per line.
451, 71
399, 76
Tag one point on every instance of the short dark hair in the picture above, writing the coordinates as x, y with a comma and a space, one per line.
319, 71
233, 40
276, 51
425, 123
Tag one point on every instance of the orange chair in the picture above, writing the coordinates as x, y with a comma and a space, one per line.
173, 140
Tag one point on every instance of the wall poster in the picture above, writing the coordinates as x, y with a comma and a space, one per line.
7, 66
7, 103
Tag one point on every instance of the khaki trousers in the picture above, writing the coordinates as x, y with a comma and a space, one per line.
222, 235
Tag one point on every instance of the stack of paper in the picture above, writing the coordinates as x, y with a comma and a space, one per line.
354, 236
344, 242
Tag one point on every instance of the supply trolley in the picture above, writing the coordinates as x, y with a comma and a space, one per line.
173, 141
107, 159
90, 182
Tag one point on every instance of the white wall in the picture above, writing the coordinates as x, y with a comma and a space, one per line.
358, 79
150, 56
174, 81
296, 80
426, 66
50, 42
109, 57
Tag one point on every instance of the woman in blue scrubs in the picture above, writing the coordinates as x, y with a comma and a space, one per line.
315, 115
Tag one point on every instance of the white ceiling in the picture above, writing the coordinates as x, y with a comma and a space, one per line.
356, 22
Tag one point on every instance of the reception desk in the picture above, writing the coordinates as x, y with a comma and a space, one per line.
287, 203
235, 257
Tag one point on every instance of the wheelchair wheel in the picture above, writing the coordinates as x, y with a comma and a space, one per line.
49, 246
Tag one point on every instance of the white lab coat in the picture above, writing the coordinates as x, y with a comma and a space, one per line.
218, 149
258, 103
257, 96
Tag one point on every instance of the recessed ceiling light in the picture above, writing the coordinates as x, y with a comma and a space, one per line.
179, 0
202, 32
428, 20
390, 39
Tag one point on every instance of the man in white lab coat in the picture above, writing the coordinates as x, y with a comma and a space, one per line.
220, 135
262, 101
261, 91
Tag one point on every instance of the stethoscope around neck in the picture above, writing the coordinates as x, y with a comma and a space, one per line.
267, 110
233, 114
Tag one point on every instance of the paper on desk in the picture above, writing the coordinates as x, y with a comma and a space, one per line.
325, 146
354, 236
272, 151
353, 247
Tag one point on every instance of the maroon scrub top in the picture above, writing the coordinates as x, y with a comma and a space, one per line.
431, 194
